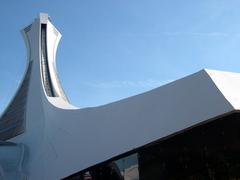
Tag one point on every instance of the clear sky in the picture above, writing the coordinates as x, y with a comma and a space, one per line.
113, 49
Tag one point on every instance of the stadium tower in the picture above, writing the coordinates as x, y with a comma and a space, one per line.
185, 129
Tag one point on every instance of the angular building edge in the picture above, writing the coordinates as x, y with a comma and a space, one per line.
54, 132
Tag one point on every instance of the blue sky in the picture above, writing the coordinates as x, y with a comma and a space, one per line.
113, 49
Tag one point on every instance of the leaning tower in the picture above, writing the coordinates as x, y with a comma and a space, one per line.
43, 136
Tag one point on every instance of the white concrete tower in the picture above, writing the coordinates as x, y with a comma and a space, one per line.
48, 138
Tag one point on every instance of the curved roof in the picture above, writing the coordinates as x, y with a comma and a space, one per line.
130, 123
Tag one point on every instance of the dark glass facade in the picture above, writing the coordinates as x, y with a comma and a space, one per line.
12, 121
48, 86
209, 151
45, 71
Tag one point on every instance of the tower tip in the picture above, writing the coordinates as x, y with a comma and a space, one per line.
43, 18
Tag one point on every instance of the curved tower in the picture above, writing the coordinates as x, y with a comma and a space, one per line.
151, 135
41, 39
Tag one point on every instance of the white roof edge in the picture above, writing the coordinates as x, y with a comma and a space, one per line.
205, 71
228, 84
